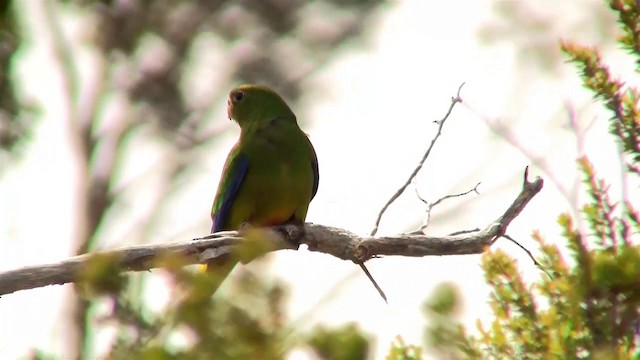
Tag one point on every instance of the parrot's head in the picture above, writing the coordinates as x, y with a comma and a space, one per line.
254, 105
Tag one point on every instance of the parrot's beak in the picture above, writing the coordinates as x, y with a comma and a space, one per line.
229, 109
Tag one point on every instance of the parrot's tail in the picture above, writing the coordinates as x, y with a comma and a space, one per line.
219, 269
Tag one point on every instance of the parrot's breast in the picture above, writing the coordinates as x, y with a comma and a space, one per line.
279, 182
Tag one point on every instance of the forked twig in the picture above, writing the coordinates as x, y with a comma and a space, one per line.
430, 206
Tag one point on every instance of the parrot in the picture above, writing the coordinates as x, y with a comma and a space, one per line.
271, 173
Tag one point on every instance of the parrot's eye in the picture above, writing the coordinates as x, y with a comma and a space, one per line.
237, 96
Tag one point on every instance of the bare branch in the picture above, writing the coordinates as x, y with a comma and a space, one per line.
415, 172
329, 240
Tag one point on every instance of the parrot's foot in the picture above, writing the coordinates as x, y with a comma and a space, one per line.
293, 233
244, 228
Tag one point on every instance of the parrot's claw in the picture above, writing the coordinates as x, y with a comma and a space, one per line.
244, 228
293, 233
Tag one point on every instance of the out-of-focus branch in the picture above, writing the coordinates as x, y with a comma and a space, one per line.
497, 127
80, 137
329, 240
66, 60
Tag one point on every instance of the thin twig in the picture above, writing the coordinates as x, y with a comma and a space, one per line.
535, 262
430, 206
460, 232
454, 101
374, 282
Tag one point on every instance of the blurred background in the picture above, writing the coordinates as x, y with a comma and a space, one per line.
113, 132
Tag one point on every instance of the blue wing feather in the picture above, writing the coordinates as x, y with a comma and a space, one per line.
233, 175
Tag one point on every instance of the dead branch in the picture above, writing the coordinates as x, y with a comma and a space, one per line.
396, 195
329, 240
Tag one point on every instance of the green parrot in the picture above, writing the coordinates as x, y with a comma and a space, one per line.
270, 175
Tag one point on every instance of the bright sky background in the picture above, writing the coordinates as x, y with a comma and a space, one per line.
370, 121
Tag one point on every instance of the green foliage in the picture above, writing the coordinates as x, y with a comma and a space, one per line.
344, 343
622, 101
101, 276
247, 321
587, 307
401, 351
628, 12
16, 114
440, 309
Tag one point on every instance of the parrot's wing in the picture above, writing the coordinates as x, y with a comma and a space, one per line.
316, 175
233, 174
314, 168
